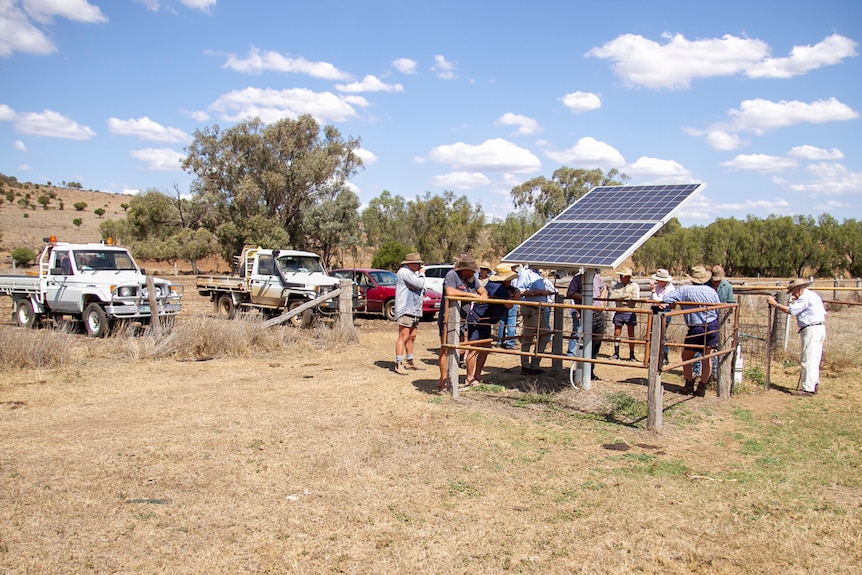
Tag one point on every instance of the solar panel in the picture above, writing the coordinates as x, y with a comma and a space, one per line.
604, 227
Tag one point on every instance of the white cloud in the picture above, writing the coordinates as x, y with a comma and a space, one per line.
770, 206
831, 206
202, 5
723, 140
405, 65
461, 180
18, 23
582, 101
674, 63
815, 153
7, 114
146, 129
496, 155
666, 170
52, 125
444, 70
20, 146
259, 61
759, 163
196, 115
830, 179
369, 84
803, 59
590, 153
24, 168
156, 5
526, 126
366, 156
159, 159
273, 105
44, 11
759, 115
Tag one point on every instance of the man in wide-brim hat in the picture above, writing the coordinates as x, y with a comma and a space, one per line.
459, 281
661, 283
810, 313
409, 293
626, 293
483, 316
702, 326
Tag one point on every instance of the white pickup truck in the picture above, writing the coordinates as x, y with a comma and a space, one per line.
97, 284
273, 282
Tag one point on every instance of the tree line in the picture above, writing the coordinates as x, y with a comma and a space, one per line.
286, 185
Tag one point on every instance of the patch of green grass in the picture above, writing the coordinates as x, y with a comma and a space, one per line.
744, 415
624, 407
683, 416
489, 388
752, 447
459, 487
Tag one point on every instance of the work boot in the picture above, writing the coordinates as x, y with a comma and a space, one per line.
688, 389
616, 355
632, 357
411, 364
664, 359
701, 389
400, 368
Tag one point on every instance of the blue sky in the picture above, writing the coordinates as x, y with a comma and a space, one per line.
760, 100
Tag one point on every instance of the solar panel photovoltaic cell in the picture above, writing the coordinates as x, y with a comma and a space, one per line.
604, 227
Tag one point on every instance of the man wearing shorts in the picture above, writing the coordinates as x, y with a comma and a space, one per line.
702, 333
626, 293
409, 292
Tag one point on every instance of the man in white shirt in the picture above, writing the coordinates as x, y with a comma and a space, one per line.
810, 313
531, 285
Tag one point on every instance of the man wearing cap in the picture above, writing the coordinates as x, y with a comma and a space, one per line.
702, 325
483, 316
810, 313
626, 292
484, 272
661, 282
531, 286
721, 285
459, 281
409, 292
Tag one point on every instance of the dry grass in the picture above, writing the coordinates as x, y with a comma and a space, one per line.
302, 452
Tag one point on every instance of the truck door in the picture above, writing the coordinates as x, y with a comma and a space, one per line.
266, 288
61, 290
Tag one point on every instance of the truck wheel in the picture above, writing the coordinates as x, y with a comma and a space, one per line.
389, 310
25, 315
96, 321
302, 320
225, 307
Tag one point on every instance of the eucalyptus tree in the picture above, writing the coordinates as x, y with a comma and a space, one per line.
549, 198
275, 171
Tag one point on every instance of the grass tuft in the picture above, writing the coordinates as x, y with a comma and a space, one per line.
29, 349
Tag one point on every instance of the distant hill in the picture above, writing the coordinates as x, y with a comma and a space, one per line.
28, 226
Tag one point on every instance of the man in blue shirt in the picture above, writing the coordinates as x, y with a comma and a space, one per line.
702, 325
409, 291
531, 286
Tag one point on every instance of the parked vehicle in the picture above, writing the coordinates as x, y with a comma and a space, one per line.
376, 292
272, 281
434, 274
98, 284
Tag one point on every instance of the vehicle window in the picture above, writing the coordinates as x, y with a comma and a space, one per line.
384, 278
87, 260
264, 265
342, 274
363, 280
304, 264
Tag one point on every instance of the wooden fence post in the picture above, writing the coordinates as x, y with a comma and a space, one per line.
725, 342
453, 325
655, 390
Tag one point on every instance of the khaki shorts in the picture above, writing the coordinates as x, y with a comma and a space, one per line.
407, 321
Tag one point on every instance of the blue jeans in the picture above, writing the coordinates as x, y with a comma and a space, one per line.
576, 332
507, 328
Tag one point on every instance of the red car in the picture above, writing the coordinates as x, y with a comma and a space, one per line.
376, 289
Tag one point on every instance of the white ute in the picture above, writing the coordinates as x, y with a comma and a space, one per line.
98, 284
